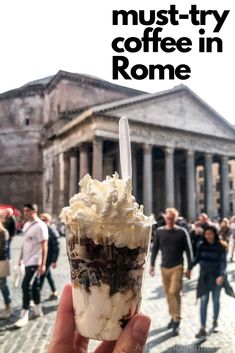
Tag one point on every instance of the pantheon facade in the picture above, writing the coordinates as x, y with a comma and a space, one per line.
69, 127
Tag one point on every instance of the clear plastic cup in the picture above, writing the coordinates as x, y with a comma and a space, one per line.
107, 264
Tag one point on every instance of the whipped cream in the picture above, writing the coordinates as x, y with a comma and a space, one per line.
98, 315
108, 213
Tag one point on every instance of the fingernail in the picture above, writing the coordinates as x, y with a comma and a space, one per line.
141, 327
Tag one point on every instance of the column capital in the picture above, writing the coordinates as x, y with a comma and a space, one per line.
67, 154
190, 153
224, 159
147, 147
83, 146
98, 140
168, 151
72, 152
208, 156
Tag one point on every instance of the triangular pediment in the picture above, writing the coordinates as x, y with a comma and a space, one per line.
178, 108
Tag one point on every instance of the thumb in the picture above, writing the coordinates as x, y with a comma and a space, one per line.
134, 336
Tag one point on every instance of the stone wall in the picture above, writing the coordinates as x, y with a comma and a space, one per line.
69, 95
20, 166
22, 117
19, 188
14, 112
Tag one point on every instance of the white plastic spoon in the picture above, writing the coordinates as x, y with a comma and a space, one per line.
125, 148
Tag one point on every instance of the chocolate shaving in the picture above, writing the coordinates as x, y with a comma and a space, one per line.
105, 264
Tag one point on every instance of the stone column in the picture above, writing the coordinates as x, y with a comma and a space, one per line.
224, 186
66, 177
97, 160
83, 161
62, 180
108, 165
191, 185
208, 185
177, 187
134, 172
55, 186
147, 179
73, 175
169, 177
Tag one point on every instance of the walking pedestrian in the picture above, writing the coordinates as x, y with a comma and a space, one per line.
204, 221
173, 241
225, 230
33, 256
52, 256
232, 239
211, 256
196, 233
4, 271
10, 225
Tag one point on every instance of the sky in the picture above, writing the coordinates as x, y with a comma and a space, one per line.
39, 38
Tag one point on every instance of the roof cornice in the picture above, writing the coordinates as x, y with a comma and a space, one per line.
109, 107
23, 92
41, 89
91, 81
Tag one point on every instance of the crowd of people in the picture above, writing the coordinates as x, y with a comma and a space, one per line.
39, 253
204, 242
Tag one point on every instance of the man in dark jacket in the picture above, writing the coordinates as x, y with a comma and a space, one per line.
52, 255
10, 225
173, 241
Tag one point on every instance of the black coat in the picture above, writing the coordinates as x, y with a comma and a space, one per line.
10, 225
195, 240
4, 237
212, 261
53, 246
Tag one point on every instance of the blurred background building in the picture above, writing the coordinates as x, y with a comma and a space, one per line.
55, 130
216, 189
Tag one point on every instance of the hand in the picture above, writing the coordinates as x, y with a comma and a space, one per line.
41, 269
219, 280
66, 339
20, 262
152, 271
188, 274
54, 265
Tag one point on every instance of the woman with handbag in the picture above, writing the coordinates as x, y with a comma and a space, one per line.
4, 271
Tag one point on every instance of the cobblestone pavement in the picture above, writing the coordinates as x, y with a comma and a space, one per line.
34, 337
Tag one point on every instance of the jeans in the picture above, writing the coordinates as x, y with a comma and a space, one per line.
31, 289
5, 290
9, 249
216, 305
49, 277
